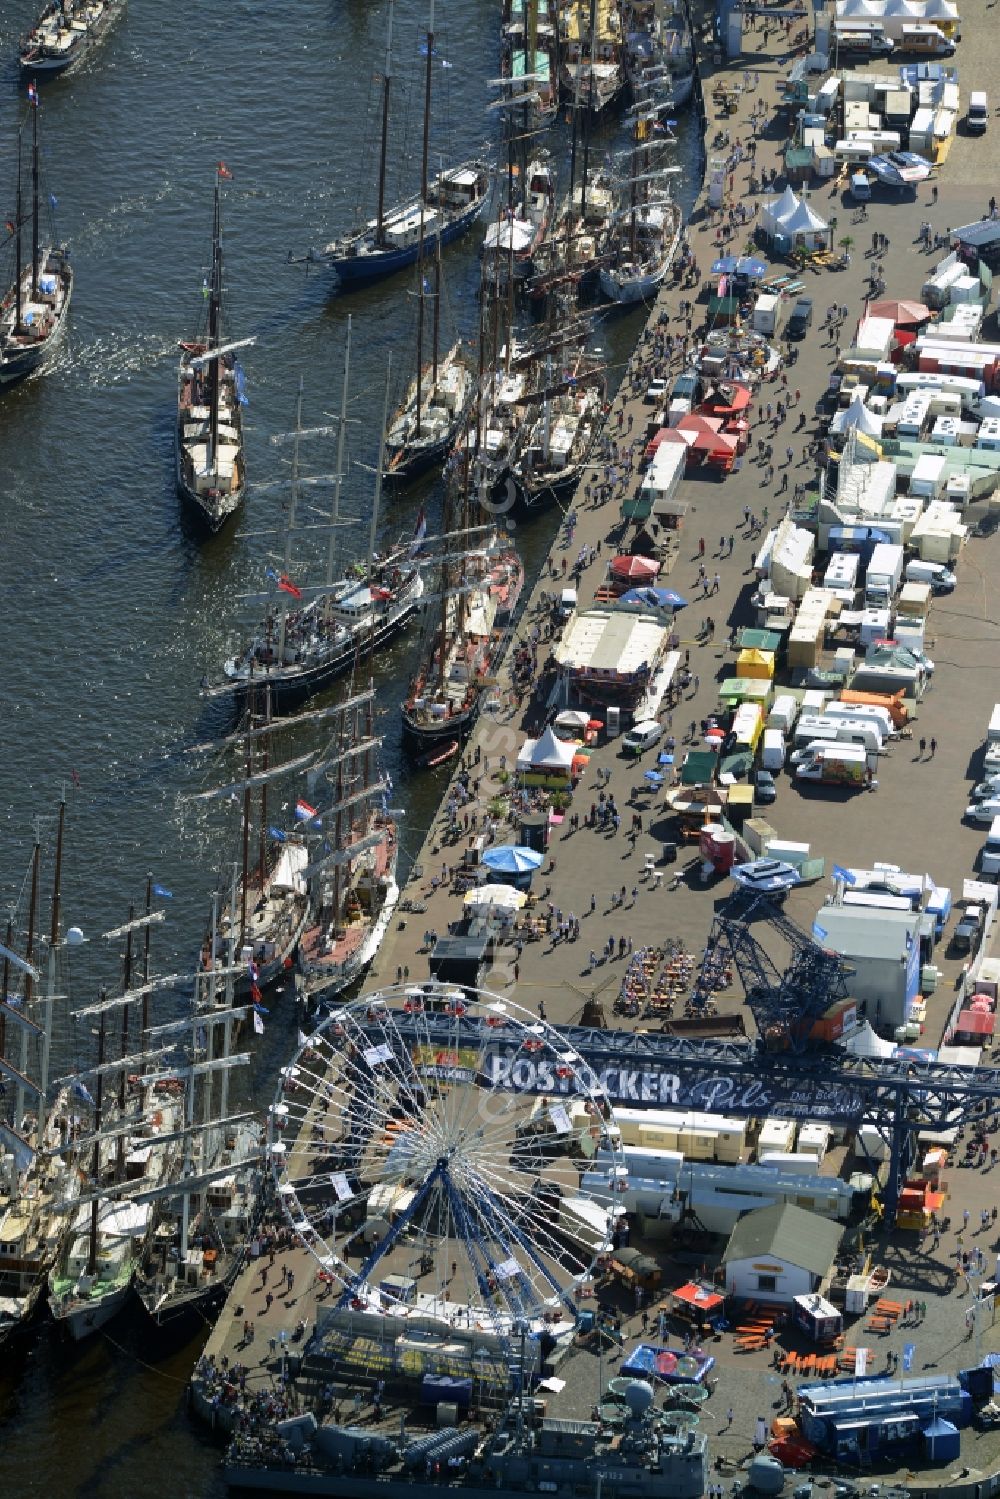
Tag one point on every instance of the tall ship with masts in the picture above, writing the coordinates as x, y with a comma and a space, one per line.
209, 1204
530, 73
126, 1153
591, 51
463, 639
644, 234
353, 886
38, 1172
446, 207
65, 34
659, 54
35, 306
314, 633
211, 394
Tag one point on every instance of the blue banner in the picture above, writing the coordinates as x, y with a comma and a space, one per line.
909, 1349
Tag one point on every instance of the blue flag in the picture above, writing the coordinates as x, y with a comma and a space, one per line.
163, 892
241, 385
909, 1349
81, 1091
53, 200
277, 835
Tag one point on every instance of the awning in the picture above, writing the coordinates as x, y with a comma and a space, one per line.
700, 1298
904, 313
644, 568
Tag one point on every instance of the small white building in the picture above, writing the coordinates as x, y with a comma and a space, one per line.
778, 1253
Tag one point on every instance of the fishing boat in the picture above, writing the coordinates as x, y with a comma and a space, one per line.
512, 241
461, 649
305, 642
446, 208
66, 33
37, 1168
211, 394
35, 307
530, 62
354, 884
591, 72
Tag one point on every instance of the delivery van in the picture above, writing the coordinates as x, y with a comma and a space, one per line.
941, 578
836, 765
990, 860
748, 725
772, 755
784, 711
978, 114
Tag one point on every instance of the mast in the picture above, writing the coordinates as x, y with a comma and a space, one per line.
423, 211
50, 977
18, 215
331, 546
123, 1080
145, 954
227, 1025
246, 845
95, 1160
386, 79
265, 765
293, 497
436, 326
4, 980
34, 199
380, 468
590, 111
29, 954
215, 334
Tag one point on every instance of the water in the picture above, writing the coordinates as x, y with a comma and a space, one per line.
115, 605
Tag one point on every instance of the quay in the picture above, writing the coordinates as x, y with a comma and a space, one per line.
913, 819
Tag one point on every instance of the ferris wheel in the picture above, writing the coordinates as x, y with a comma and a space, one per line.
433, 1147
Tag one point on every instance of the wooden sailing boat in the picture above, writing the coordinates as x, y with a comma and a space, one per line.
66, 33
301, 649
211, 394
36, 1167
35, 307
659, 54
557, 445
531, 61
591, 43
447, 207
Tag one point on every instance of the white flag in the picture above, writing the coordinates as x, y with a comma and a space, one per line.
860, 1362
303, 1039
258, 1023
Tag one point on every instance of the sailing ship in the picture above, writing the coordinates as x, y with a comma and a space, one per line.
644, 235
208, 1206
559, 443
264, 914
591, 48
37, 1170
446, 207
65, 35
463, 647
659, 55
531, 62
354, 885
211, 394
129, 1150
512, 241
34, 310
300, 650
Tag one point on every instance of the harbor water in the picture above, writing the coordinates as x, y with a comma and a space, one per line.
116, 605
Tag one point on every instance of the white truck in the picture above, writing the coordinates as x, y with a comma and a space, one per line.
883, 576
837, 765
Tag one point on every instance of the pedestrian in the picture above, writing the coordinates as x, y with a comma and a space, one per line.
701, 546
730, 1417
922, 743
715, 588
933, 747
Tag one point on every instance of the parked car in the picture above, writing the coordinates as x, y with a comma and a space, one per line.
656, 393
764, 789
642, 736
963, 938
986, 790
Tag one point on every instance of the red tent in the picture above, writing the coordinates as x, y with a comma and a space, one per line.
698, 1298
635, 569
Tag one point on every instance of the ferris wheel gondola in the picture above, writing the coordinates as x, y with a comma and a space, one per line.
421, 1177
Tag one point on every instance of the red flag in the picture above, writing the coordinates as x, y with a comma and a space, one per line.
255, 994
287, 586
224, 172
